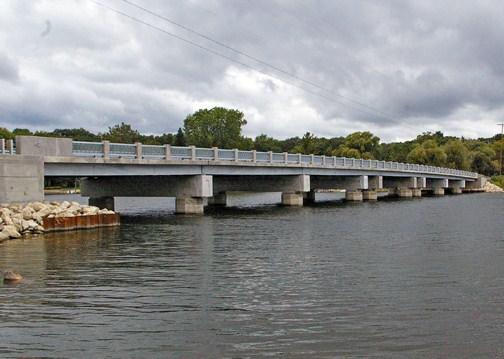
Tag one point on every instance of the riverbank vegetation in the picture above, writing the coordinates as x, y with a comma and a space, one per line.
221, 127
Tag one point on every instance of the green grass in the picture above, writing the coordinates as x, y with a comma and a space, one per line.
498, 180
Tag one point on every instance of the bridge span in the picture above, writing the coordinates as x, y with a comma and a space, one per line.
200, 176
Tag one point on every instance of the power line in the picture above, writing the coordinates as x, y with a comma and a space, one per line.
373, 110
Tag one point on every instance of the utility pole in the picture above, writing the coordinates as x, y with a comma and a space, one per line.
501, 139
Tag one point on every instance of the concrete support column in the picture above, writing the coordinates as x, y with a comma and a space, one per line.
438, 185
369, 195
456, 186
375, 182
455, 190
189, 205
292, 199
218, 199
354, 196
416, 192
404, 192
102, 202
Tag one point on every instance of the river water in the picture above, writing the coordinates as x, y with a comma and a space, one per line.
421, 278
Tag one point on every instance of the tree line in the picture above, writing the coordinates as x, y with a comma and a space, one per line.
221, 127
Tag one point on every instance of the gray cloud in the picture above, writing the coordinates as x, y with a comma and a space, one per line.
421, 65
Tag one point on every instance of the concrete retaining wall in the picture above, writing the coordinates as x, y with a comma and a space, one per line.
21, 178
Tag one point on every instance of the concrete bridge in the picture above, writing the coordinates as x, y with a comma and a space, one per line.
200, 176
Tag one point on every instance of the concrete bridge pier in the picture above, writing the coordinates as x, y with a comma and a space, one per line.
189, 205
437, 185
294, 199
375, 183
189, 191
456, 186
421, 183
401, 187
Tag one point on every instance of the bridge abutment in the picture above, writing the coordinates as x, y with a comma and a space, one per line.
21, 178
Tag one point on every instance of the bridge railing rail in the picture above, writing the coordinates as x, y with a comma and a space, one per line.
106, 149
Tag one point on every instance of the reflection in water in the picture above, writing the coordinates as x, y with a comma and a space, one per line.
412, 278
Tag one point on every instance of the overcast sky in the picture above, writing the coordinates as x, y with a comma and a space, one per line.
396, 68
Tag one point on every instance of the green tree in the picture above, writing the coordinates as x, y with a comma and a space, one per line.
180, 139
306, 145
6, 134
22, 132
457, 155
427, 153
122, 133
77, 134
266, 143
359, 145
217, 127
482, 163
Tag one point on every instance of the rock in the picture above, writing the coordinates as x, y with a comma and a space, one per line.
11, 231
27, 213
11, 276
4, 236
37, 206
64, 205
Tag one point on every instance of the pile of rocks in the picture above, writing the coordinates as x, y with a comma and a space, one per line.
17, 219
493, 188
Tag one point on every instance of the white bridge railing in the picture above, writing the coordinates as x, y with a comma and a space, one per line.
106, 149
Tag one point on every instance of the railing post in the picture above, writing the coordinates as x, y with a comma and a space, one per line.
236, 154
167, 151
312, 159
2, 146
138, 150
254, 156
344, 161
10, 146
193, 153
215, 153
300, 158
286, 157
270, 154
323, 160
106, 149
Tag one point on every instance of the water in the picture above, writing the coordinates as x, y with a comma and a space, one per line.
417, 278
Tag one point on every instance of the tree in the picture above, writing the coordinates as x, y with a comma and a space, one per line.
77, 134
22, 132
306, 145
265, 143
427, 153
180, 139
457, 155
217, 127
122, 133
6, 134
359, 145
482, 163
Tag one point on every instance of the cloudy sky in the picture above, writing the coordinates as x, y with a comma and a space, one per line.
331, 67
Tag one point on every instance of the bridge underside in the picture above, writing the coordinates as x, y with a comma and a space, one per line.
194, 191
